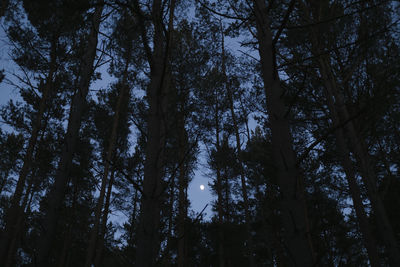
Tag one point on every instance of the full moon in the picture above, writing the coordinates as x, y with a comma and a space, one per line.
202, 187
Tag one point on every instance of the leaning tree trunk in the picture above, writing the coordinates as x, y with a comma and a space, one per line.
355, 193
57, 192
369, 179
29, 193
293, 206
358, 148
102, 231
15, 211
182, 187
344, 153
157, 94
250, 249
19, 226
243, 184
368, 174
108, 157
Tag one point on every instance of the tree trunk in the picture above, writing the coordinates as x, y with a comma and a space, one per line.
3, 182
62, 259
182, 201
355, 193
100, 243
109, 155
361, 153
3, 7
220, 210
132, 239
19, 226
238, 152
390, 176
166, 253
157, 93
369, 179
57, 192
16, 211
293, 206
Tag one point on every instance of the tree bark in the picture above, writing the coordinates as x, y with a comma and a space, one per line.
293, 206
57, 192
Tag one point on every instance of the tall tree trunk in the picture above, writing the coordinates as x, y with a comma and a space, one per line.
220, 199
368, 174
3, 182
57, 192
66, 246
100, 243
62, 259
293, 206
25, 205
243, 184
157, 94
245, 197
108, 157
19, 226
134, 217
358, 148
246, 114
15, 211
3, 7
182, 201
166, 253
355, 193
390, 176
369, 179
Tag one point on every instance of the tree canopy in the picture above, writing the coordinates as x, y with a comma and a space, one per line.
290, 110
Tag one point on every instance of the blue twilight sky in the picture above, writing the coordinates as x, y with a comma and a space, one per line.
6, 91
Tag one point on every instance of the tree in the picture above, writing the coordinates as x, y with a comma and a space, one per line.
340, 114
294, 215
290, 109
41, 62
157, 93
58, 190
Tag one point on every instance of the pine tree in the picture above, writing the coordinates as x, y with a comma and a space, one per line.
58, 190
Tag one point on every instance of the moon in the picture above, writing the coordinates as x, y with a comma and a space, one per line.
202, 187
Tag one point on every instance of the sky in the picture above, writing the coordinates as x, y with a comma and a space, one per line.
6, 91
